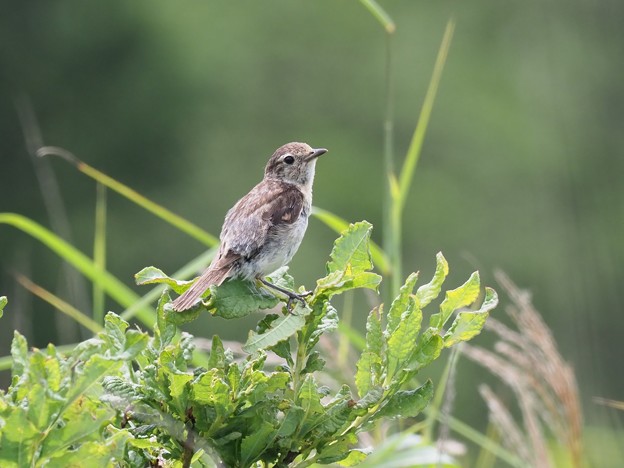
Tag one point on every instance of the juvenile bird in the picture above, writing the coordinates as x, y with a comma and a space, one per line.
264, 229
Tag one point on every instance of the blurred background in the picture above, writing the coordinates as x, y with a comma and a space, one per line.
521, 167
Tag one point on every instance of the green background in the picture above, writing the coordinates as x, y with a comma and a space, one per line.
185, 101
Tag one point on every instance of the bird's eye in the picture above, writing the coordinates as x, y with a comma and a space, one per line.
289, 159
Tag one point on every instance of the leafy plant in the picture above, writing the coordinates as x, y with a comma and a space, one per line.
239, 412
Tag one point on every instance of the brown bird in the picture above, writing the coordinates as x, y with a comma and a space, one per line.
262, 232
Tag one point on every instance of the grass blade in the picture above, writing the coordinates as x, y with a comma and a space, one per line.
380, 15
413, 153
163, 213
113, 287
99, 250
60, 304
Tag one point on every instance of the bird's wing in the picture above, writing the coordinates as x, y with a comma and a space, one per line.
257, 214
245, 230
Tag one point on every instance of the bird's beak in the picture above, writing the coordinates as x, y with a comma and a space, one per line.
317, 152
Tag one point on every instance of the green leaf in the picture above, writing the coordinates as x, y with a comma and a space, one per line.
407, 403
281, 329
350, 252
3, 302
281, 278
237, 298
253, 445
400, 304
458, 298
177, 384
22, 430
369, 365
309, 397
374, 336
314, 363
19, 353
354, 458
153, 275
469, 324
90, 374
84, 418
427, 350
339, 225
164, 331
368, 370
125, 344
94, 453
217, 359
431, 290
291, 421
373, 397
338, 450
402, 342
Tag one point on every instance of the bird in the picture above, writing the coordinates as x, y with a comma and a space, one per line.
264, 229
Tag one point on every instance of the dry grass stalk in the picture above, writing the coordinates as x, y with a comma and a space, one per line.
528, 361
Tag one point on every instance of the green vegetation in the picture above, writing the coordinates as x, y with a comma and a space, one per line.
169, 106
127, 398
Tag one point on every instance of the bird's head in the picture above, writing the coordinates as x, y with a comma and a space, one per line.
293, 163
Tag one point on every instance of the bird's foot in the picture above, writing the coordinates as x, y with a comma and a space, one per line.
296, 297
292, 296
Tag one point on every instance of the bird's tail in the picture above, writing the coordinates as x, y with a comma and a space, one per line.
212, 276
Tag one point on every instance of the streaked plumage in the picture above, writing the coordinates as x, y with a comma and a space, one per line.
262, 232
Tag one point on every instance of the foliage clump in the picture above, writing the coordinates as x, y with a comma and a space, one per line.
130, 399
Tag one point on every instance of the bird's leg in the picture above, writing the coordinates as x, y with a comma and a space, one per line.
291, 295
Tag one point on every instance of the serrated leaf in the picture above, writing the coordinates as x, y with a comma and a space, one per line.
123, 344
84, 418
253, 445
334, 419
181, 318
371, 398
351, 251
428, 292
281, 278
463, 296
211, 389
367, 374
177, 384
281, 329
217, 359
93, 453
400, 303
19, 355
38, 409
427, 350
3, 302
354, 458
237, 298
407, 403
114, 331
89, 375
165, 331
282, 349
22, 429
374, 336
309, 397
294, 417
314, 363
337, 450
469, 324
153, 275
403, 340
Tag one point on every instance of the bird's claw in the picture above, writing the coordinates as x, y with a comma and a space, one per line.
299, 297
